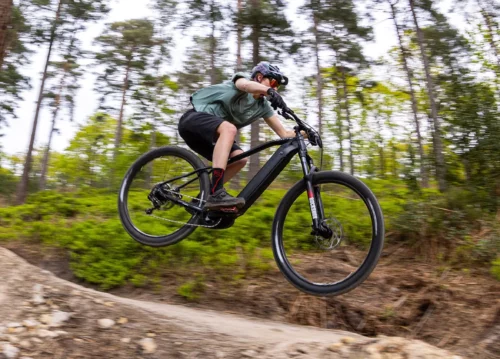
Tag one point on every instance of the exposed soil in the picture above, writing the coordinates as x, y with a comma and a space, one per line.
42, 316
455, 310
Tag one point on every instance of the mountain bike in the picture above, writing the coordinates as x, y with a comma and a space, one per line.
327, 233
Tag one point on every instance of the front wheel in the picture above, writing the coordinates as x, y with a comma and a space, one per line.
338, 262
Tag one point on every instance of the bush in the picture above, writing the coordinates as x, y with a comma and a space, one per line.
86, 224
495, 268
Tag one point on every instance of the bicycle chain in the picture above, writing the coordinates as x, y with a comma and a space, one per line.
184, 223
187, 224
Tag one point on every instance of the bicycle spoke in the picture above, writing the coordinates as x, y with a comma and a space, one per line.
170, 217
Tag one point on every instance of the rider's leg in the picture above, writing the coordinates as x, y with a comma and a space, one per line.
226, 133
235, 167
219, 198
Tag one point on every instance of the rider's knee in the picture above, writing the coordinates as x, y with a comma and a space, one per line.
242, 163
227, 128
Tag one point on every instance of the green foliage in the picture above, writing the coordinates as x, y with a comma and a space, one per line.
12, 81
271, 31
8, 182
85, 223
458, 220
192, 289
125, 49
495, 269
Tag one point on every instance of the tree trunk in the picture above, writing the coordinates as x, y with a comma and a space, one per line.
235, 182
46, 155
5, 19
239, 35
213, 77
437, 142
118, 135
319, 79
152, 145
22, 189
255, 126
348, 119
119, 127
491, 33
468, 170
380, 144
394, 162
423, 168
340, 129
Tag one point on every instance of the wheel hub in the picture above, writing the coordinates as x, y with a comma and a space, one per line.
330, 234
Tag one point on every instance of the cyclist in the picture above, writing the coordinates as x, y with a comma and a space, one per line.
219, 111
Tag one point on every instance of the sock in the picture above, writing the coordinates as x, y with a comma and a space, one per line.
217, 180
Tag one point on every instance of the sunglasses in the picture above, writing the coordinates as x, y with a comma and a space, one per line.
273, 82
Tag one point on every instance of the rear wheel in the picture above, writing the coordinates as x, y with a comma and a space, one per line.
343, 260
148, 200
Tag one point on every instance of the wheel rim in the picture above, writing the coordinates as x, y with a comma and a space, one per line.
328, 262
170, 218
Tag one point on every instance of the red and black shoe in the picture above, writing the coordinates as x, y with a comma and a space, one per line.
221, 199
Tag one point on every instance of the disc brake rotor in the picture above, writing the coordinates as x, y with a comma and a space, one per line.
337, 235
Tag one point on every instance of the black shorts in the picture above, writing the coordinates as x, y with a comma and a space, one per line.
199, 131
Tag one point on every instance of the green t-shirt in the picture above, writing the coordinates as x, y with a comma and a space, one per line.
226, 101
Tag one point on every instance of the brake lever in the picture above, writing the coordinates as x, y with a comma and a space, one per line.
285, 115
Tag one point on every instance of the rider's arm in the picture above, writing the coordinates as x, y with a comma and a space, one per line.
251, 86
275, 123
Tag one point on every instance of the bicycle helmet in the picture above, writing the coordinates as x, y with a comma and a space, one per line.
268, 70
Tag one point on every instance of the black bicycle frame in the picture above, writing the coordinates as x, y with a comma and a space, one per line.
273, 167
268, 173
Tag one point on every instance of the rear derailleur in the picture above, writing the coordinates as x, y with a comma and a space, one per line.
161, 195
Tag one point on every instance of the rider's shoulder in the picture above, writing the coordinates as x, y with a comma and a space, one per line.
240, 75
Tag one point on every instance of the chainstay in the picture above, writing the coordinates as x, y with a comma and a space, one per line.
187, 224
184, 195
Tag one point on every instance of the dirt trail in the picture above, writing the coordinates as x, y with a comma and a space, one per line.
42, 316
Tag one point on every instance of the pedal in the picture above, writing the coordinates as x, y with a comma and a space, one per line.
226, 210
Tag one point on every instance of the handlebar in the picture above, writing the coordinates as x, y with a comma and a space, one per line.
312, 134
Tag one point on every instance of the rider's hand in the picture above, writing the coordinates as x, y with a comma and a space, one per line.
276, 99
314, 138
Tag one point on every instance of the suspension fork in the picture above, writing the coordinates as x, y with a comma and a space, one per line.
313, 192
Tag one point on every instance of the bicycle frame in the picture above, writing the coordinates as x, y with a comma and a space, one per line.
271, 169
268, 173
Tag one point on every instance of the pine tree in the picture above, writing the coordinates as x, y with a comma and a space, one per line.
5, 23
436, 123
347, 33
12, 82
411, 88
65, 75
270, 36
126, 47
210, 15
67, 12
332, 24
